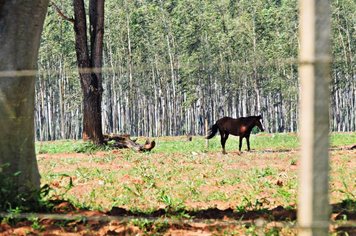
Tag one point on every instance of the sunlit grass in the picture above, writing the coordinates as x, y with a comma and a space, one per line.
342, 139
185, 174
260, 141
59, 146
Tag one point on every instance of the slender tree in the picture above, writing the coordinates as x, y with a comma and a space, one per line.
21, 25
175, 63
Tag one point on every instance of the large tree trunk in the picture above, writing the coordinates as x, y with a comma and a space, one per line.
89, 65
20, 29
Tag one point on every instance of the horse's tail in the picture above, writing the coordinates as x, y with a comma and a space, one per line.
212, 131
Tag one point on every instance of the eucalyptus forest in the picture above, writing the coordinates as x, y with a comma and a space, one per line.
171, 66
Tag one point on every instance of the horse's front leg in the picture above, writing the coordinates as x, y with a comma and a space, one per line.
248, 142
240, 143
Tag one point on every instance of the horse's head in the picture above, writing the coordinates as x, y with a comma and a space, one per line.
258, 123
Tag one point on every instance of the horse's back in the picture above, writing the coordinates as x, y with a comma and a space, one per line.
229, 125
224, 119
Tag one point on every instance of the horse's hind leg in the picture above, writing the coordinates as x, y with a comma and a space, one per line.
248, 143
223, 141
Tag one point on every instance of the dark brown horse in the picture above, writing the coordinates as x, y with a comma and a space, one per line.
241, 127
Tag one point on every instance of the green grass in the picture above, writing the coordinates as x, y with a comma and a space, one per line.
60, 146
181, 176
261, 141
342, 139
67, 146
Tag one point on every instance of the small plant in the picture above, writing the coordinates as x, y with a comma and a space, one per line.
350, 197
219, 196
260, 173
143, 224
349, 204
251, 230
248, 204
12, 216
192, 187
36, 225
293, 162
166, 199
274, 231
136, 191
161, 226
173, 206
284, 193
65, 180
150, 226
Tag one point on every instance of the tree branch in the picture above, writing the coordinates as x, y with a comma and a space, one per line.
60, 13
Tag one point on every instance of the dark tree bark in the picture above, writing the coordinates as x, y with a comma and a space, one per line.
20, 30
89, 65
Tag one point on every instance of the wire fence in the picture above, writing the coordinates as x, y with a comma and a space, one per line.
259, 223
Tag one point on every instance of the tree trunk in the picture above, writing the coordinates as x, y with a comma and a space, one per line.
90, 66
20, 30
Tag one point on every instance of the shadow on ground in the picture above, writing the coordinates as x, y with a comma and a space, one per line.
65, 218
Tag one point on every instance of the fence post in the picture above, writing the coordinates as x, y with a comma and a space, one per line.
314, 72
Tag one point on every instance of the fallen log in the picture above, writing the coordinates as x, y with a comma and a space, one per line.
124, 141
